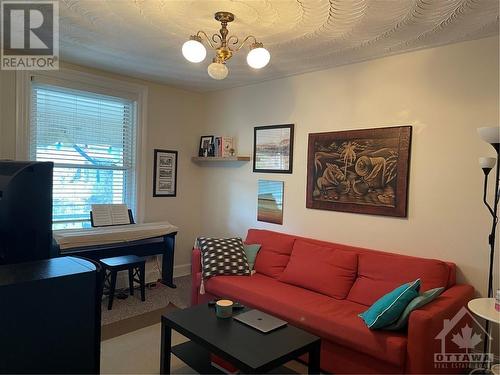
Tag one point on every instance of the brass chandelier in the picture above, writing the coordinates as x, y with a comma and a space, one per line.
224, 46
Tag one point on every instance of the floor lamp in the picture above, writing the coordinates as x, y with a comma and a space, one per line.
490, 135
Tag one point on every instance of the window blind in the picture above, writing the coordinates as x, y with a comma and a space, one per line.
90, 138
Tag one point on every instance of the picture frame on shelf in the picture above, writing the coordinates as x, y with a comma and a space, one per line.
273, 149
363, 171
165, 173
206, 145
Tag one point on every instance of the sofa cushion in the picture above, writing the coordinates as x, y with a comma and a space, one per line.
274, 252
223, 256
321, 269
388, 308
251, 253
331, 319
380, 273
416, 303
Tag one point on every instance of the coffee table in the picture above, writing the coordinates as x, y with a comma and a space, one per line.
248, 349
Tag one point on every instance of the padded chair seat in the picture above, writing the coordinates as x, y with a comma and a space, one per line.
332, 319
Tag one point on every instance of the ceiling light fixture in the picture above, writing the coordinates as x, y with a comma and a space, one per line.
194, 51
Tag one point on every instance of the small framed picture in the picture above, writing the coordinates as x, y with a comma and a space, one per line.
273, 149
206, 145
165, 173
270, 201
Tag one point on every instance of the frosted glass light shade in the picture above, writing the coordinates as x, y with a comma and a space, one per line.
486, 162
217, 70
490, 134
258, 58
194, 51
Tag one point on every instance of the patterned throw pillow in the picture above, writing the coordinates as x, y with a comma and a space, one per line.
223, 256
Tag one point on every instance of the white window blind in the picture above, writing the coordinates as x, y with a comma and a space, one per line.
91, 140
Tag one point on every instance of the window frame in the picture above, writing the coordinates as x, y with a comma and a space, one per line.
94, 83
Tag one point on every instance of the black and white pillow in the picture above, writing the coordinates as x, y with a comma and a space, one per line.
223, 256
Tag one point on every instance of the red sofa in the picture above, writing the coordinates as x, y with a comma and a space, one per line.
348, 346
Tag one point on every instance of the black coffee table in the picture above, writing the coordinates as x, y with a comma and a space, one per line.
248, 349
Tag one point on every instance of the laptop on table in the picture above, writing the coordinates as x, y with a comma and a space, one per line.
260, 320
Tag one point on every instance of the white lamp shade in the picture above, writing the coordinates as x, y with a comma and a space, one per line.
486, 162
258, 58
194, 51
217, 70
490, 134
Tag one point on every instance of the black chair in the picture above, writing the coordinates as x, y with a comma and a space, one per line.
136, 267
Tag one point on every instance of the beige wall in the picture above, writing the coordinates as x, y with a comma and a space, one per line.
444, 93
172, 122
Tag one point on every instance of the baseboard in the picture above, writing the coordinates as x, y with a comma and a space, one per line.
153, 274
182, 270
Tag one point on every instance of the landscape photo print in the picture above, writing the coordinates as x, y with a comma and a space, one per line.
361, 171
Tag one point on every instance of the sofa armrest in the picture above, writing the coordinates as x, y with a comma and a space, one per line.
426, 323
195, 275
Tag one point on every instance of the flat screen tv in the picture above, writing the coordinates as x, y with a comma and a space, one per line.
25, 211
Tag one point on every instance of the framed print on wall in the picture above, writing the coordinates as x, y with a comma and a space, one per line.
361, 171
273, 149
165, 173
270, 201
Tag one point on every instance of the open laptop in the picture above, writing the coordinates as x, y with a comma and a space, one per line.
260, 320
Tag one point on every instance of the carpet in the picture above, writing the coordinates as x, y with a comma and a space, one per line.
157, 297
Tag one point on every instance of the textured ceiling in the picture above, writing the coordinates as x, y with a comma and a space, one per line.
143, 38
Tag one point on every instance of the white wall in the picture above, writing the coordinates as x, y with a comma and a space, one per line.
172, 123
444, 93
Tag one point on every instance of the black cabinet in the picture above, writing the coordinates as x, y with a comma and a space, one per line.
50, 316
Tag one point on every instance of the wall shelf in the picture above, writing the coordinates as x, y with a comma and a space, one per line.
201, 159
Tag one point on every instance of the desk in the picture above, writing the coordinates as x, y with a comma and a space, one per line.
133, 239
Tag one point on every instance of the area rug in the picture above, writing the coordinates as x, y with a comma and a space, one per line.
124, 326
157, 297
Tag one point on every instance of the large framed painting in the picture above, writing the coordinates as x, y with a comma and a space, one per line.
165, 173
361, 171
273, 149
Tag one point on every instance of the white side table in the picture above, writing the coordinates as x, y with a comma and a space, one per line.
485, 308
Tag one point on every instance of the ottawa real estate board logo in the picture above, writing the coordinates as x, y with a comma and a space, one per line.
30, 35
461, 340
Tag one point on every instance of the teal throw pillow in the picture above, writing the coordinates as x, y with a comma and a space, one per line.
251, 252
388, 308
415, 303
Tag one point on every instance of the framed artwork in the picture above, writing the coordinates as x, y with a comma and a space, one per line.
270, 201
165, 173
362, 171
206, 145
273, 149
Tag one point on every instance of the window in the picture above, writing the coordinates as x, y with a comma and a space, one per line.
91, 139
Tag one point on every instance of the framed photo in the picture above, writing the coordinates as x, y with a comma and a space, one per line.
206, 145
273, 149
165, 173
361, 171
270, 201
